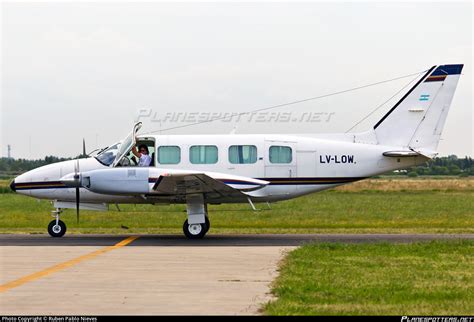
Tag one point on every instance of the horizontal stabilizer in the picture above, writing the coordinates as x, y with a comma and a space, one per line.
400, 154
410, 153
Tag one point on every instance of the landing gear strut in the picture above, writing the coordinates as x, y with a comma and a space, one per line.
56, 228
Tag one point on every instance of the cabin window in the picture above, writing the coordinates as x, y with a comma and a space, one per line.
242, 154
203, 154
169, 154
280, 154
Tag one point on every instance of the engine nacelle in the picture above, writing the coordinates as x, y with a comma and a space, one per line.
117, 181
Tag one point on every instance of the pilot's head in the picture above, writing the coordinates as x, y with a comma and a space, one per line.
142, 148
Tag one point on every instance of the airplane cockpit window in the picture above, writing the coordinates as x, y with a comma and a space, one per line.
107, 156
124, 153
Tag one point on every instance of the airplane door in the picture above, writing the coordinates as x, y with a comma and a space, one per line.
307, 165
127, 144
280, 159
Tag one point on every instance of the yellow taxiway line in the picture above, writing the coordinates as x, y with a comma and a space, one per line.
61, 266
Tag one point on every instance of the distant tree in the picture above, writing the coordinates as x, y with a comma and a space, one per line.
454, 169
22, 165
450, 165
421, 170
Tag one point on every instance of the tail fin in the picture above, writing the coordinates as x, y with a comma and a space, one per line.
417, 120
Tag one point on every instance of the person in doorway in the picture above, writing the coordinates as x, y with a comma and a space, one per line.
143, 155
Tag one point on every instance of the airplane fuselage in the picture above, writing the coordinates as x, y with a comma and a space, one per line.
307, 165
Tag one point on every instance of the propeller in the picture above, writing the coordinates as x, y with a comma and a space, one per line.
77, 181
74, 180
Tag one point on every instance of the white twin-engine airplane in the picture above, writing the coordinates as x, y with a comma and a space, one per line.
198, 170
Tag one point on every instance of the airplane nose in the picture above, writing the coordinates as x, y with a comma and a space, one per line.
12, 185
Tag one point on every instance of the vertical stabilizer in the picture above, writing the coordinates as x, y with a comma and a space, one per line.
417, 120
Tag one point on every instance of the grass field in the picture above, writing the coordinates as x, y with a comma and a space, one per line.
433, 278
370, 206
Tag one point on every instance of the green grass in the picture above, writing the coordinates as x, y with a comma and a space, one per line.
435, 278
5, 186
326, 212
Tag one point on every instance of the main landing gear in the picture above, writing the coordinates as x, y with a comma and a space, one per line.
56, 228
196, 231
197, 224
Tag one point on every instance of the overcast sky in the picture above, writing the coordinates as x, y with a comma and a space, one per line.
79, 70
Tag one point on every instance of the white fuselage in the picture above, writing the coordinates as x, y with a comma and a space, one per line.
315, 164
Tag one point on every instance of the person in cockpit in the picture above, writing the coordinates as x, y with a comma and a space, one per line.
143, 155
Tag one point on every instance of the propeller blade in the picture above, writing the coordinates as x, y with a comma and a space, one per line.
84, 154
77, 203
75, 168
77, 178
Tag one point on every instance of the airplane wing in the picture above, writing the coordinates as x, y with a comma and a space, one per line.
200, 183
165, 182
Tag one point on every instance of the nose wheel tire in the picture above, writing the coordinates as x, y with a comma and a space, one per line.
195, 231
57, 230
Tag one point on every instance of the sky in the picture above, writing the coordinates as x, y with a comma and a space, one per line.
90, 69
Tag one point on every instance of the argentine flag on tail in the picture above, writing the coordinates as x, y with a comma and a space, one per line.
424, 97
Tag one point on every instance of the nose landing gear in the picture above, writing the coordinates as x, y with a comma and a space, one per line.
56, 228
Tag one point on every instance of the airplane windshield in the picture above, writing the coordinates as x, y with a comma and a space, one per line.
107, 156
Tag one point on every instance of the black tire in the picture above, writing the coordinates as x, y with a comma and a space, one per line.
57, 230
208, 224
196, 231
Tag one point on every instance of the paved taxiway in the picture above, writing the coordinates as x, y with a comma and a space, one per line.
108, 274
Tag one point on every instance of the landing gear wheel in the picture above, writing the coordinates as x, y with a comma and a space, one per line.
57, 230
194, 231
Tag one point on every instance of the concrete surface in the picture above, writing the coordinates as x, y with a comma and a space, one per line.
155, 274
140, 280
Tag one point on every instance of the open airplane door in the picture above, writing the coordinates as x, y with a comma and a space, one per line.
127, 144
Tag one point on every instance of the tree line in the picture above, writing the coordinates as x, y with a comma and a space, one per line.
10, 167
444, 166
